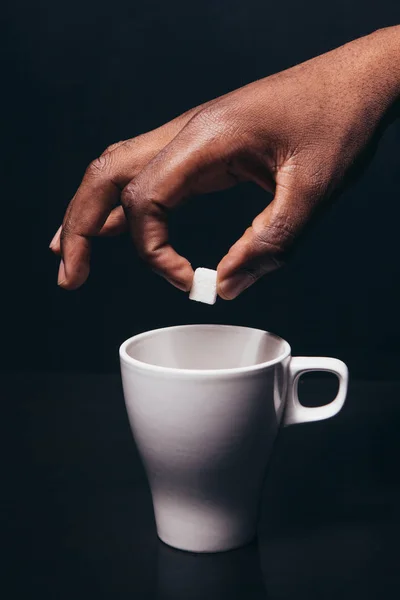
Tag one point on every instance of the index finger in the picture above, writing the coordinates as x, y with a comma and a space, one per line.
194, 162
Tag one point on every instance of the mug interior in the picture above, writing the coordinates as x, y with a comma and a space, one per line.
205, 347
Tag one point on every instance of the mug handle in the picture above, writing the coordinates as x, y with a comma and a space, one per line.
295, 412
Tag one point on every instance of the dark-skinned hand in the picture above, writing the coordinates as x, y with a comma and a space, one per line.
297, 134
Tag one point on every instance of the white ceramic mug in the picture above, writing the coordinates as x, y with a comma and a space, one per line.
205, 403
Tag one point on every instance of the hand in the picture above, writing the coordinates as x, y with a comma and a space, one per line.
296, 134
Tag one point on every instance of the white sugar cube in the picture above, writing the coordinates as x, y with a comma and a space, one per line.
204, 286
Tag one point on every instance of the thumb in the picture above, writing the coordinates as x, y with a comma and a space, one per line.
264, 246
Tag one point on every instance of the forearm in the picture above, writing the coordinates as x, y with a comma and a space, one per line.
385, 52
377, 66
362, 77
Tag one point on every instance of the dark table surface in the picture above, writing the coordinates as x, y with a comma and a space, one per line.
77, 513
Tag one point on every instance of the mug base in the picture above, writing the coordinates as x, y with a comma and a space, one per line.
193, 549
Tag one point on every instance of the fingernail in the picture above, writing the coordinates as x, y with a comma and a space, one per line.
233, 286
55, 238
61, 274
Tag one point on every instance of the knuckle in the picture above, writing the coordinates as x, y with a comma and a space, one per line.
100, 167
124, 144
111, 147
131, 196
132, 143
147, 253
148, 248
139, 198
274, 239
213, 118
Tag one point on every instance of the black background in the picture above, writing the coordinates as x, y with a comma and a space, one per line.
75, 506
81, 75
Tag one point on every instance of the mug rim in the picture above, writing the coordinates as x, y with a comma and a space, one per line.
134, 362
